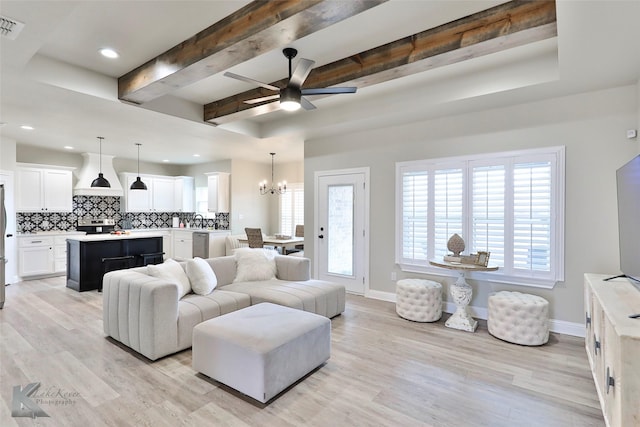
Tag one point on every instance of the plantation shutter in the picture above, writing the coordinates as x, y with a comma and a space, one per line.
488, 211
291, 208
448, 205
415, 202
532, 216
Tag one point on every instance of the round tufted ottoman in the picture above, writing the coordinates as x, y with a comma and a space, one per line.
419, 300
518, 318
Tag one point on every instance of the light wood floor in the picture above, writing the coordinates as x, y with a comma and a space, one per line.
383, 371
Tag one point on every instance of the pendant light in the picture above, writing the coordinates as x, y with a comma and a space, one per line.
138, 184
100, 181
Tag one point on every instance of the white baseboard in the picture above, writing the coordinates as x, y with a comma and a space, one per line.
559, 326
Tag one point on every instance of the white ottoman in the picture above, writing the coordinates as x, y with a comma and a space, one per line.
518, 318
262, 349
419, 300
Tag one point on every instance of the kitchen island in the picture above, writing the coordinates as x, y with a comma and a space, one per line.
90, 256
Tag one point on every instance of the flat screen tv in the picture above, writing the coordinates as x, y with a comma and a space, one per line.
628, 183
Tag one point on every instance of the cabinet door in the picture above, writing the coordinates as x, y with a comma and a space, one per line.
58, 195
184, 194
29, 190
182, 245
218, 192
35, 260
163, 195
138, 200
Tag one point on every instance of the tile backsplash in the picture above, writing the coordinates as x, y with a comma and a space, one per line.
107, 207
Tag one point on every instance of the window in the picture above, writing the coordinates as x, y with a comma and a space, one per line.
509, 204
292, 208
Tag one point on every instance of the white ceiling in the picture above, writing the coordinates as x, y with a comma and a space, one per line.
53, 78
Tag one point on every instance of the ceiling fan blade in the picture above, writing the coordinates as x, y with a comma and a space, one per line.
249, 80
328, 90
263, 99
301, 72
304, 102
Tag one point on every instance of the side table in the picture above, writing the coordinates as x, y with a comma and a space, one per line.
461, 293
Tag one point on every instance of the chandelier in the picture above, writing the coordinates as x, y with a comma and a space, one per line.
281, 188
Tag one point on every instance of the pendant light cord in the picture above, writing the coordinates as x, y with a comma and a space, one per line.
100, 138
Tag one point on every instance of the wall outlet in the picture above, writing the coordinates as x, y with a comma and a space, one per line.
393, 275
632, 133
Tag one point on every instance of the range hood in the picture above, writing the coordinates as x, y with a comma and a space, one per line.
89, 172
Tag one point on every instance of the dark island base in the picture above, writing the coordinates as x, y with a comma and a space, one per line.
88, 261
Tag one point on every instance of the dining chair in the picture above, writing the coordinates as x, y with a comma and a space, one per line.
299, 233
254, 237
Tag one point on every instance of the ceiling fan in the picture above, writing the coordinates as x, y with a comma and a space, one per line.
291, 96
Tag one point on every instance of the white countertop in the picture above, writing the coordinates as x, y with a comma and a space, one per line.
51, 233
107, 237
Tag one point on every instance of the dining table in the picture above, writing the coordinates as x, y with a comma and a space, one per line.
280, 244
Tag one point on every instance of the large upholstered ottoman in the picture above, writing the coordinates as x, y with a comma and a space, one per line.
261, 350
518, 318
419, 300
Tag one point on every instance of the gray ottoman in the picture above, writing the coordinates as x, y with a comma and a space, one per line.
262, 349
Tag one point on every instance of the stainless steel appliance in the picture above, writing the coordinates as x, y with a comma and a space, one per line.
200, 245
3, 227
96, 225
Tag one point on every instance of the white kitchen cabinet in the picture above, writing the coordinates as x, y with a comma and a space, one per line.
163, 193
42, 255
182, 244
60, 254
35, 255
218, 191
44, 189
184, 194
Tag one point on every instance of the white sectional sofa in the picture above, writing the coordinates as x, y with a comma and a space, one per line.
146, 314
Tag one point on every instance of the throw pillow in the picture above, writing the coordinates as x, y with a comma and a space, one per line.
172, 271
201, 275
255, 264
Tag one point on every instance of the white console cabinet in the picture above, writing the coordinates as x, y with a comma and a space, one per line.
46, 189
613, 346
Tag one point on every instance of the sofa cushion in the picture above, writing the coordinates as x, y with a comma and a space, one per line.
255, 264
315, 296
201, 276
171, 271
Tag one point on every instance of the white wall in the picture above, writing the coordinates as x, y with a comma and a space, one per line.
7, 154
592, 126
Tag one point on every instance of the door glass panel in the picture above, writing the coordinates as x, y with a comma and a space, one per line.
340, 229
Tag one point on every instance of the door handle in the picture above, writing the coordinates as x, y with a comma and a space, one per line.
321, 236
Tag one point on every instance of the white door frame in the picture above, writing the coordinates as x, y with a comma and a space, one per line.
365, 240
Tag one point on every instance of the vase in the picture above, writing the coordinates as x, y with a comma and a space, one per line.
455, 244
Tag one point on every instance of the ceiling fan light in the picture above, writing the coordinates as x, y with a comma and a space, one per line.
290, 98
290, 105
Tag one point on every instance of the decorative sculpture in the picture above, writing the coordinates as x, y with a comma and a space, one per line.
456, 244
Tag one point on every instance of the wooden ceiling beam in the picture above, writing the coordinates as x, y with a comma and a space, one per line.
259, 27
502, 27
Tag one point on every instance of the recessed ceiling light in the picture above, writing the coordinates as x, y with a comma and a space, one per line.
166, 160
109, 53
27, 127
68, 147
196, 155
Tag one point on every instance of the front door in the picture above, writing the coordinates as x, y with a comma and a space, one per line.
341, 228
